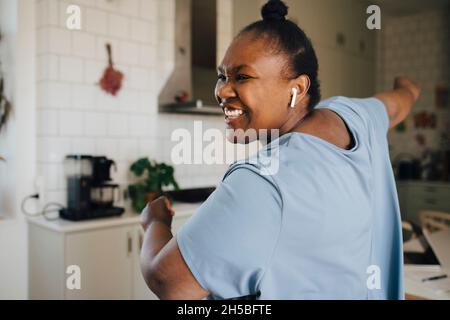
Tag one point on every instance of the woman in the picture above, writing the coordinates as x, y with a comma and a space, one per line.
325, 224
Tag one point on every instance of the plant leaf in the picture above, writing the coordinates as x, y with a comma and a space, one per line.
157, 176
140, 166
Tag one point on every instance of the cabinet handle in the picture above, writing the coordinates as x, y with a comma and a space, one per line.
430, 189
129, 244
140, 241
430, 201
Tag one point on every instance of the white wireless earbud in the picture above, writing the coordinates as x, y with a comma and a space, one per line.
294, 97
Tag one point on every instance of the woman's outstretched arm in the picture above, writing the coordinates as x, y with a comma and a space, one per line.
399, 100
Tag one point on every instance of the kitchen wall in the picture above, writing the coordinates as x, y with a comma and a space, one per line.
8, 30
417, 46
17, 143
75, 116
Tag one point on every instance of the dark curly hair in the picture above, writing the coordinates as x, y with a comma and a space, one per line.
287, 37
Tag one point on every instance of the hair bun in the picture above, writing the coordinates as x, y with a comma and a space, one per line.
274, 10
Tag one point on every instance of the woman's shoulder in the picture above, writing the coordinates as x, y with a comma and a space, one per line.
252, 164
264, 161
254, 177
273, 159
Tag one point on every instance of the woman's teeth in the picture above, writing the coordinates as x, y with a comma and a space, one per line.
233, 113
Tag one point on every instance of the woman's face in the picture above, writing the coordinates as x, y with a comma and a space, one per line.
251, 87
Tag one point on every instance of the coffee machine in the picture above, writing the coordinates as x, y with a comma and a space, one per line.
90, 194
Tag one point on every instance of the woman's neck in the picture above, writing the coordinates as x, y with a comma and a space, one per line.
294, 122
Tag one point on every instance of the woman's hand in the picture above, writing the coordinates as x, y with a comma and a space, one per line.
399, 101
406, 83
157, 210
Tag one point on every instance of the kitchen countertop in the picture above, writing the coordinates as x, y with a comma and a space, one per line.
416, 289
182, 209
424, 183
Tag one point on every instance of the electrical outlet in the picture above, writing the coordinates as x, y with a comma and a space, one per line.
39, 185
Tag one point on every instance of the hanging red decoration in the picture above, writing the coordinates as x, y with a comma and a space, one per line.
111, 82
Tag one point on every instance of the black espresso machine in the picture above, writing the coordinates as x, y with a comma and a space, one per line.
90, 195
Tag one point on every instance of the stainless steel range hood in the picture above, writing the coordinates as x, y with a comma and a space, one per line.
195, 60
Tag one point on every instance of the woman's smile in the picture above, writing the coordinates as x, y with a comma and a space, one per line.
234, 116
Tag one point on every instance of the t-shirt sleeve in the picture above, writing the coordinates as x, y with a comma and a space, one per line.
367, 117
376, 113
228, 243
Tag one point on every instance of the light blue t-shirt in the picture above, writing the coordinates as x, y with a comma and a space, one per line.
325, 225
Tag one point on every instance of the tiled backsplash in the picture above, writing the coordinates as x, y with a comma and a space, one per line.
416, 46
75, 116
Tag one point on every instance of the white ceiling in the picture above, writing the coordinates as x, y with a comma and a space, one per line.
404, 7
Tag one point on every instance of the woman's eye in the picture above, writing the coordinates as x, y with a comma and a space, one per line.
242, 77
239, 77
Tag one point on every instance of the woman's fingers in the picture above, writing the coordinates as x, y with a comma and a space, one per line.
407, 83
169, 208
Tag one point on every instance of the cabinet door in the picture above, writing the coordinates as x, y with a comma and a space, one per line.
402, 192
105, 260
140, 289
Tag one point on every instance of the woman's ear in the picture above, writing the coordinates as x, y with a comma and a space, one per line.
301, 83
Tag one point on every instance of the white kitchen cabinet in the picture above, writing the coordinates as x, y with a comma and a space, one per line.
106, 250
415, 196
105, 262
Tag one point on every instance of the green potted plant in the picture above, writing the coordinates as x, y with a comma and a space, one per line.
153, 177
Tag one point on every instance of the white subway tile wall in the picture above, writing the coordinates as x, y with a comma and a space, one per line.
416, 46
75, 116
